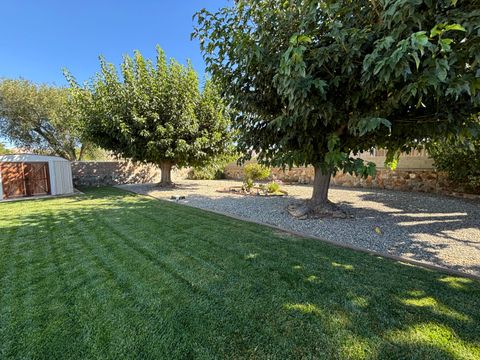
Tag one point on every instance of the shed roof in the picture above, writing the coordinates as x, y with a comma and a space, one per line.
29, 158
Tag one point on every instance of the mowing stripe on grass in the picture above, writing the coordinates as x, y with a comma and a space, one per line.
112, 275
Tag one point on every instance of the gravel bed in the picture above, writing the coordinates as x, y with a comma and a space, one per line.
433, 229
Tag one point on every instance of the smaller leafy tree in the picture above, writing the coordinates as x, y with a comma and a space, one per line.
41, 118
154, 113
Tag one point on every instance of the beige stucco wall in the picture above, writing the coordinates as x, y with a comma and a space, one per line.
405, 163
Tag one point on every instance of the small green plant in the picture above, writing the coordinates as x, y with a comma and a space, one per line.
248, 185
272, 187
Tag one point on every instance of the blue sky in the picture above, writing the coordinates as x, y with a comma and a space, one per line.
39, 38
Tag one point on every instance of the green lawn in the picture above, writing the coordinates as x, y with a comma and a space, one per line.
114, 275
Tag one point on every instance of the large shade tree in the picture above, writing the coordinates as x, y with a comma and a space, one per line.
317, 82
154, 113
41, 118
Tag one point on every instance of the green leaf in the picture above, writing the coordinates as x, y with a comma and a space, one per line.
441, 69
378, 67
371, 169
333, 141
421, 38
367, 125
391, 159
417, 60
304, 39
386, 42
445, 44
437, 30
454, 27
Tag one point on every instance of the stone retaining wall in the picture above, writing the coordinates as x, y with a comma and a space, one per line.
423, 180
98, 173
93, 173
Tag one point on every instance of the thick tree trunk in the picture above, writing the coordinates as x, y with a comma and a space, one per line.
166, 168
318, 206
82, 152
321, 183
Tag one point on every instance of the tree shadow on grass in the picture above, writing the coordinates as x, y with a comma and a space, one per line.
196, 281
151, 187
400, 311
423, 227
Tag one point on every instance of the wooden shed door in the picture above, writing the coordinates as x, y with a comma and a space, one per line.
13, 180
37, 179
25, 179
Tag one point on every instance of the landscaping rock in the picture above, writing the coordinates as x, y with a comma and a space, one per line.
429, 228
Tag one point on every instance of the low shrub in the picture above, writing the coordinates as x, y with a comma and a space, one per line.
254, 171
205, 173
461, 161
215, 170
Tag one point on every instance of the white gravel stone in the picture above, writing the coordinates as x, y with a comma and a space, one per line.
433, 229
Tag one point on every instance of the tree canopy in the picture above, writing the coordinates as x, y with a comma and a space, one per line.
40, 118
154, 113
317, 82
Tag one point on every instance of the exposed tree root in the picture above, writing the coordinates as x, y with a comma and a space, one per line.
169, 185
307, 210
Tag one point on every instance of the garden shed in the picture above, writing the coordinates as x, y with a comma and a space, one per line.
26, 175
